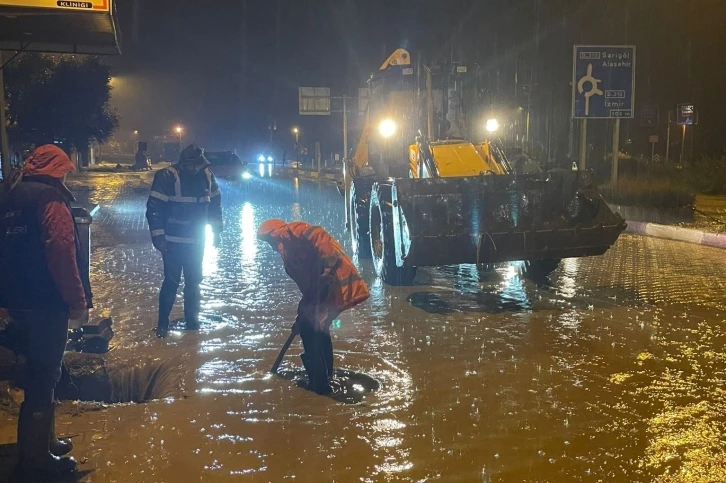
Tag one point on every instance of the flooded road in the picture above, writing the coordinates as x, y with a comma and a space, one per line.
614, 372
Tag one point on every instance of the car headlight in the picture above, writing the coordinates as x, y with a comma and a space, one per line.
261, 158
269, 159
387, 128
246, 175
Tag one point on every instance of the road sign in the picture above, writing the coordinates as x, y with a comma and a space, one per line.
603, 82
96, 5
650, 116
656, 158
314, 101
687, 115
653, 138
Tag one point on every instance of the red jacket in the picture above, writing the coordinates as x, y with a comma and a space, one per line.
318, 264
58, 230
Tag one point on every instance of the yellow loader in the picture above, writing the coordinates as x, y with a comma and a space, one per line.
419, 193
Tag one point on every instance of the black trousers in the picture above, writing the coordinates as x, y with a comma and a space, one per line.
187, 259
313, 322
44, 334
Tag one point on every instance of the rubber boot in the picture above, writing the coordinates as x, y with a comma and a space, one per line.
317, 375
327, 352
34, 432
58, 447
166, 303
192, 303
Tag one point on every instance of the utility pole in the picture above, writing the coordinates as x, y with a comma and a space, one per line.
345, 127
4, 145
668, 139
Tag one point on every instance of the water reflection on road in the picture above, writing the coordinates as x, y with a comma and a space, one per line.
613, 372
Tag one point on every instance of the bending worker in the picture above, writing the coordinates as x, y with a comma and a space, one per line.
184, 198
43, 283
329, 283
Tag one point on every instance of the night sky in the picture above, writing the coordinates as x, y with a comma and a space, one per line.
225, 72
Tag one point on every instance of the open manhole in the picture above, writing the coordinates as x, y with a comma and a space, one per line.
348, 387
88, 377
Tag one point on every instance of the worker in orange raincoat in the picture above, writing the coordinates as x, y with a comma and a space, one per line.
329, 283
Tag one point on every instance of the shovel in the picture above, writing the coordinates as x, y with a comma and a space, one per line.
293, 333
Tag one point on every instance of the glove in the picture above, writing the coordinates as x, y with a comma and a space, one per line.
217, 240
159, 243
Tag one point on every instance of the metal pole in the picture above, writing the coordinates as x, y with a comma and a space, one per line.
429, 104
652, 152
4, 145
683, 142
668, 139
616, 152
693, 141
583, 145
345, 127
317, 155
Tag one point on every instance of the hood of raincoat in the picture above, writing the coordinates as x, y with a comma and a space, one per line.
48, 160
270, 230
48, 164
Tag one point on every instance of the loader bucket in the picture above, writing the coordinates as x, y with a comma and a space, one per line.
487, 219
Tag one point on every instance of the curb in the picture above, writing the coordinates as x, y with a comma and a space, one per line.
677, 233
307, 174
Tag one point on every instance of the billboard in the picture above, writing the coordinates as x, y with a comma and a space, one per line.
603, 82
687, 115
314, 101
93, 5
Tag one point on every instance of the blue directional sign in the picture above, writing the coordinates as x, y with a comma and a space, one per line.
603, 82
650, 116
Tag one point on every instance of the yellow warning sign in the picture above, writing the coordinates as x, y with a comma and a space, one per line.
92, 5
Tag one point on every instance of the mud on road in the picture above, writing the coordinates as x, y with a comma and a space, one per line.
613, 372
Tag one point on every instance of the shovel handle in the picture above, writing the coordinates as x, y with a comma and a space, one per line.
284, 349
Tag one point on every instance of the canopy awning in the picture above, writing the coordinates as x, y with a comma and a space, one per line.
59, 26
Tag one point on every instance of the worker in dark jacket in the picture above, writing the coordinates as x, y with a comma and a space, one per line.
43, 284
184, 199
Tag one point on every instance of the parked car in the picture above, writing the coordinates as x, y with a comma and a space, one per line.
226, 164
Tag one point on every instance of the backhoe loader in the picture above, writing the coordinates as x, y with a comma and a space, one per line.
419, 193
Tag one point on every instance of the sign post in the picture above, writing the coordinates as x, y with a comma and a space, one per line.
686, 116
653, 139
603, 87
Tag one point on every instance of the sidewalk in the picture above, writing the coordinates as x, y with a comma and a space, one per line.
705, 227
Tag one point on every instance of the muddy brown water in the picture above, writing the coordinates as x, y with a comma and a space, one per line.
613, 372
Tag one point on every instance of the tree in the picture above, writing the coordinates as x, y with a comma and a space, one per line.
59, 99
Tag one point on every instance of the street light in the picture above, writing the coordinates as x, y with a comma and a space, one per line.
296, 132
179, 130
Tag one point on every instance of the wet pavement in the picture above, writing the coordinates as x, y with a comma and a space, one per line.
613, 372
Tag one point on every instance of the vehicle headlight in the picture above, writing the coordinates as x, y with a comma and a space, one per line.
492, 125
261, 158
387, 128
269, 159
246, 175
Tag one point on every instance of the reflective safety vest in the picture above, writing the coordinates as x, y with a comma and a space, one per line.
308, 251
181, 205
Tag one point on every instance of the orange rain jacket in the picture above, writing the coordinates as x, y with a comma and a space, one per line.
314, 259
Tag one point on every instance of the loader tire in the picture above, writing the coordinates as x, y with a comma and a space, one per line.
539, 270
360, 192
381, 236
